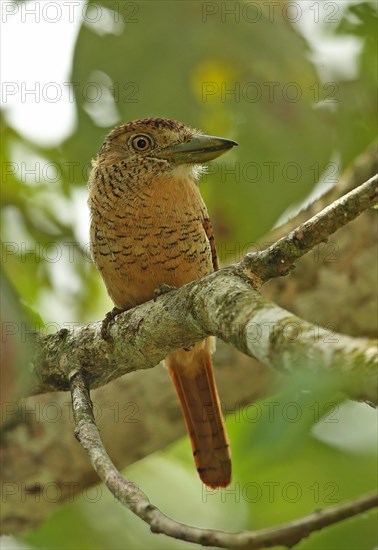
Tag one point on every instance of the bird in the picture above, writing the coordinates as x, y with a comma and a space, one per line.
149, 227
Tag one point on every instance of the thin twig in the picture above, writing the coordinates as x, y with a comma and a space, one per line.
361, 169
137, 501
277, 260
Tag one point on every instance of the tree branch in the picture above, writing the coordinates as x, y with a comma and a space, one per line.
223, 304
277, 260
137, 501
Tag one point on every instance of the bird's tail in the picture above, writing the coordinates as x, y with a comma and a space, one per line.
193, 377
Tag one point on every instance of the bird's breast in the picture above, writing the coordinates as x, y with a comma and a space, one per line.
148, 235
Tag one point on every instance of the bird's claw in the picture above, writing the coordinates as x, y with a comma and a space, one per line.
109, 317
163, 289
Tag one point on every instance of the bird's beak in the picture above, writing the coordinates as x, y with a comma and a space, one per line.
198, 150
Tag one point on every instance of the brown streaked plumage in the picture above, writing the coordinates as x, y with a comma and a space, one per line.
150, 226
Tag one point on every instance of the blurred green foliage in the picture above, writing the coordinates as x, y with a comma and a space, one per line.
246, 74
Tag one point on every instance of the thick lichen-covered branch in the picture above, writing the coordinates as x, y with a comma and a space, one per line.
221, 304
225, 304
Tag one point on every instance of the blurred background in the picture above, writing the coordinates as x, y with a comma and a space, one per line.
294, 83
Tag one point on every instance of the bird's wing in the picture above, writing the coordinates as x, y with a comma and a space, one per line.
210, 235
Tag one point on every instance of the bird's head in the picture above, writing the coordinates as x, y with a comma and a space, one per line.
161, 143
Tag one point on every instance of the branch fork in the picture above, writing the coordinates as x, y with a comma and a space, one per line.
186, 315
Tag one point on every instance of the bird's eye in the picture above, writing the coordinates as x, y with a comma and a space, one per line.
141, 142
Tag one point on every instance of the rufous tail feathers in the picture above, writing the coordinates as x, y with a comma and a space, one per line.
193, 377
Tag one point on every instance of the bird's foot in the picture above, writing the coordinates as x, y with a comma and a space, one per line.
109, 318
163, 289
